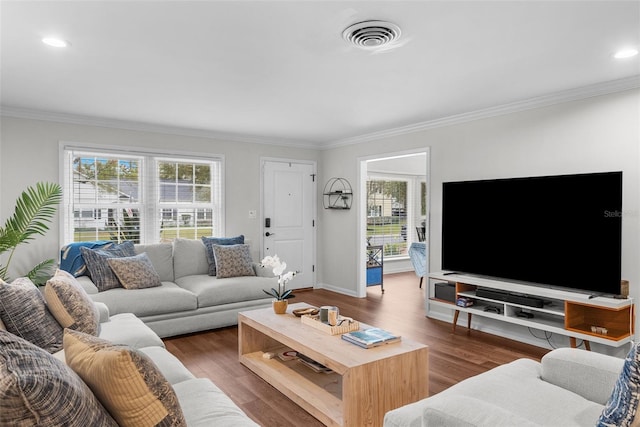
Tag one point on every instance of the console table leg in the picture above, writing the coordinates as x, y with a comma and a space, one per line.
587, 344
455, 319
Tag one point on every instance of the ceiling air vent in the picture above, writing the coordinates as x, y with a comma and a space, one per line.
371, 34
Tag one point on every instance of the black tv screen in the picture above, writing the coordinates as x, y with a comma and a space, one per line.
562, 231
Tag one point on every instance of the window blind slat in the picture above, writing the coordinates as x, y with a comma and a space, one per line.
125, 195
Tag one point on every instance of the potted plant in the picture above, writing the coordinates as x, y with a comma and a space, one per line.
282, 294
35, 207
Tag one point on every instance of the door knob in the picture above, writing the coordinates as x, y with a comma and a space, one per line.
269, 234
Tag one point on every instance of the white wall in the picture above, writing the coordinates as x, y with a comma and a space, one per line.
30, 154
596, 134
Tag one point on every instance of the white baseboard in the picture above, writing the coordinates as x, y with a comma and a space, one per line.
336, 289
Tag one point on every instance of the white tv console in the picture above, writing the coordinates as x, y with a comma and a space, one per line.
577, 315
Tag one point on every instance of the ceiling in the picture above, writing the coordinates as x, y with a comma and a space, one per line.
280, 71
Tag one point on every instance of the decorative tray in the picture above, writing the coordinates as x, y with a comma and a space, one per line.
346, 326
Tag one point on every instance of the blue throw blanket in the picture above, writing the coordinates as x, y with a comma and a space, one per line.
71, 259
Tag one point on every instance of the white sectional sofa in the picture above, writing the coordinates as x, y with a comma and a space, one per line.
45, 389
202, 402
568, 388
189, 300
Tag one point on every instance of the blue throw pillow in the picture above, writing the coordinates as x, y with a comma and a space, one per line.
71, 259
222, 241
622, 407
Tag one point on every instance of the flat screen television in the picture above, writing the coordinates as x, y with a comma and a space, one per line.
560, 231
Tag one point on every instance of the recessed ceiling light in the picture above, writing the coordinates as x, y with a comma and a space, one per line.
625, 53
55, 42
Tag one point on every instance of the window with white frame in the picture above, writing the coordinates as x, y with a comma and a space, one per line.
140, 196
386, 214
396, 211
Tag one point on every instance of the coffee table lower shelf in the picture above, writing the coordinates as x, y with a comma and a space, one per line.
364, 384
318, 393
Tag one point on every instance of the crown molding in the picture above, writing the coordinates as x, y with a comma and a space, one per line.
584, 92
24, 113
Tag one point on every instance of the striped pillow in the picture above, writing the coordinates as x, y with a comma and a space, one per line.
25, 314
622, 408
70, 304
38, 389
126, 381
99, 270
71, 258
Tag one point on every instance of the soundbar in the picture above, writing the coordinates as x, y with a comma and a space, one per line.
509, 297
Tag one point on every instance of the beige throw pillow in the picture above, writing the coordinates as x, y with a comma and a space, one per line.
127, 383
233, 261
70, 304
135, 272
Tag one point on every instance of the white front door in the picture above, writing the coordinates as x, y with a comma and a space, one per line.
288, 217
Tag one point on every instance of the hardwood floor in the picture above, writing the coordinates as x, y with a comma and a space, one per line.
452, 357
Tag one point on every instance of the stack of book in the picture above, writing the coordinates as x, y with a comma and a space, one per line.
315, 366
371, 337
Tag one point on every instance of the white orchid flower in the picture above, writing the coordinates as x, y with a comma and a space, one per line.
286, 277
279, 269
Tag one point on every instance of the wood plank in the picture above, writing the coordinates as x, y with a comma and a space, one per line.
313, 398
373, 381
384, 385
453, 357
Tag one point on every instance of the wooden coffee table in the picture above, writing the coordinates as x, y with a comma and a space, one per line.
364, 385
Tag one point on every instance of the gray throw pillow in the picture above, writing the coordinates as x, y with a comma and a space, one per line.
99, 269
135, 272
210, 241
233, 261
25, 314
70, 304
38, 389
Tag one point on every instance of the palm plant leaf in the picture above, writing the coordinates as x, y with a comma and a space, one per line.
35, 207
41, 272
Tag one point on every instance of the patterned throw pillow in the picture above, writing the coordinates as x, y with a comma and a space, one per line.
210, 241
70, 304
99, 269
38, 389
126, 381
71, 259
233, 261
135, 272
25, 314
622, 408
